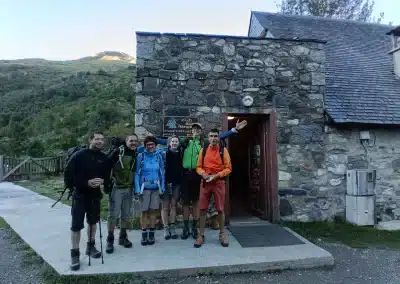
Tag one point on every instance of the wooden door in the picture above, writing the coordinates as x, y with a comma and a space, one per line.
227, 207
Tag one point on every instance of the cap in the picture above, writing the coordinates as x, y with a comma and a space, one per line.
197, 124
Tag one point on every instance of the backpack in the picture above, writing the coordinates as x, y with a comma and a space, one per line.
67, 178
161, 158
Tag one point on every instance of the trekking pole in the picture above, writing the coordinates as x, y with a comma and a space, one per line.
90, 240
101, 242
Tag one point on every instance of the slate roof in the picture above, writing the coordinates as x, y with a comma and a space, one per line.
361, 86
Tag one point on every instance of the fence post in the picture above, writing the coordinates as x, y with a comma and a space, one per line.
2, 169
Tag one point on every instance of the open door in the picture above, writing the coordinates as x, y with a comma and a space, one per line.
227, 207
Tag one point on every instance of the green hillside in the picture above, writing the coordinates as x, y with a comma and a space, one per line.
49, 106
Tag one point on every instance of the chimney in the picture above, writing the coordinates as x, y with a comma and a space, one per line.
395, 35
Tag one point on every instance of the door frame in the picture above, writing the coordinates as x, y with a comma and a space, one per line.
269, 176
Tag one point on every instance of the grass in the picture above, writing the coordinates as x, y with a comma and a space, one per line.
346, 233
50, 276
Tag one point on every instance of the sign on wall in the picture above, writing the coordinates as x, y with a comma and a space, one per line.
178, 125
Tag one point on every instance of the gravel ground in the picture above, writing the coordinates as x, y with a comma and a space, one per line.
12, 269
352, 266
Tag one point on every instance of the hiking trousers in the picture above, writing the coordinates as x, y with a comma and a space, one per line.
120, 202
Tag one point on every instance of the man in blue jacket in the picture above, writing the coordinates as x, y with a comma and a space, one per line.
149, 185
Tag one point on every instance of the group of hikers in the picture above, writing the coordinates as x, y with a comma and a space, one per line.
190, 169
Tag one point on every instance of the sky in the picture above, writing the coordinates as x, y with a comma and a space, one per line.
63, 30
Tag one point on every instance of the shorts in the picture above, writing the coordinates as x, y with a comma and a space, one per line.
190, 187
150, 200
217, 188
173, 192
120, 202
80, 207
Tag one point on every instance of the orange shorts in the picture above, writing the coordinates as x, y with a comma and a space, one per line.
215, 187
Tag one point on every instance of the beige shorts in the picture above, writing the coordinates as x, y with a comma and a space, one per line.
150, 200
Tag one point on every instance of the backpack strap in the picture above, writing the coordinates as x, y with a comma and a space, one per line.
121, 154
205, 147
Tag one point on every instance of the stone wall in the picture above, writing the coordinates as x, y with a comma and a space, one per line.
204, 76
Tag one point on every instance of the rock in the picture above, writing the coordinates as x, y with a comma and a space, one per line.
139, 87
284, 176
299, 50
194, 84
222, 84
204, 66
229, 49
216, 110
220, 42
318, 78
293, 122
393, 225
219, 68
335, 181
255, 62
138, 119
142, 102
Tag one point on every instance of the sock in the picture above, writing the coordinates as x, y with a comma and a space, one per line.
194, 224
151, 234
186, 223
122, 233
144, 233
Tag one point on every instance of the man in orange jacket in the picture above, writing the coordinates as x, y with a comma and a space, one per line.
213, 168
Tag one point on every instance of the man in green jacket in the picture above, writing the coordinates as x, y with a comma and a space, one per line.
190, 187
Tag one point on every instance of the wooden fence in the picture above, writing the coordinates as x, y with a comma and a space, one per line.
12, 169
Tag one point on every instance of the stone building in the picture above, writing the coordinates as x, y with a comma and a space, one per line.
312, 83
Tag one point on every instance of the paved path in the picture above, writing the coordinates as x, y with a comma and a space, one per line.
45, 228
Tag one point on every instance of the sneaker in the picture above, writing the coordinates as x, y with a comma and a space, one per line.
172, 231
185, 233
151, 240
92, 250
123, 239
144, 240
223, 239
75, 262
110, 244
167, 233
199, 241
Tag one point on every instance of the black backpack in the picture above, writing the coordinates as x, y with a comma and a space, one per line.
67, 178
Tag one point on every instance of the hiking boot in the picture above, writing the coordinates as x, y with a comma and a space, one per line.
123, 239
75, 263
110, 244
195, 232
185, 233
151, 240
92, 251
199, 241
144, 240
223, 239
167, 233
172, 231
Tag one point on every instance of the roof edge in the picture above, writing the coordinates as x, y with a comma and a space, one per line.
141, 33
248, 29
322, 18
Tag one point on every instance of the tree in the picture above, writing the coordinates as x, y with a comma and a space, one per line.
359, 10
